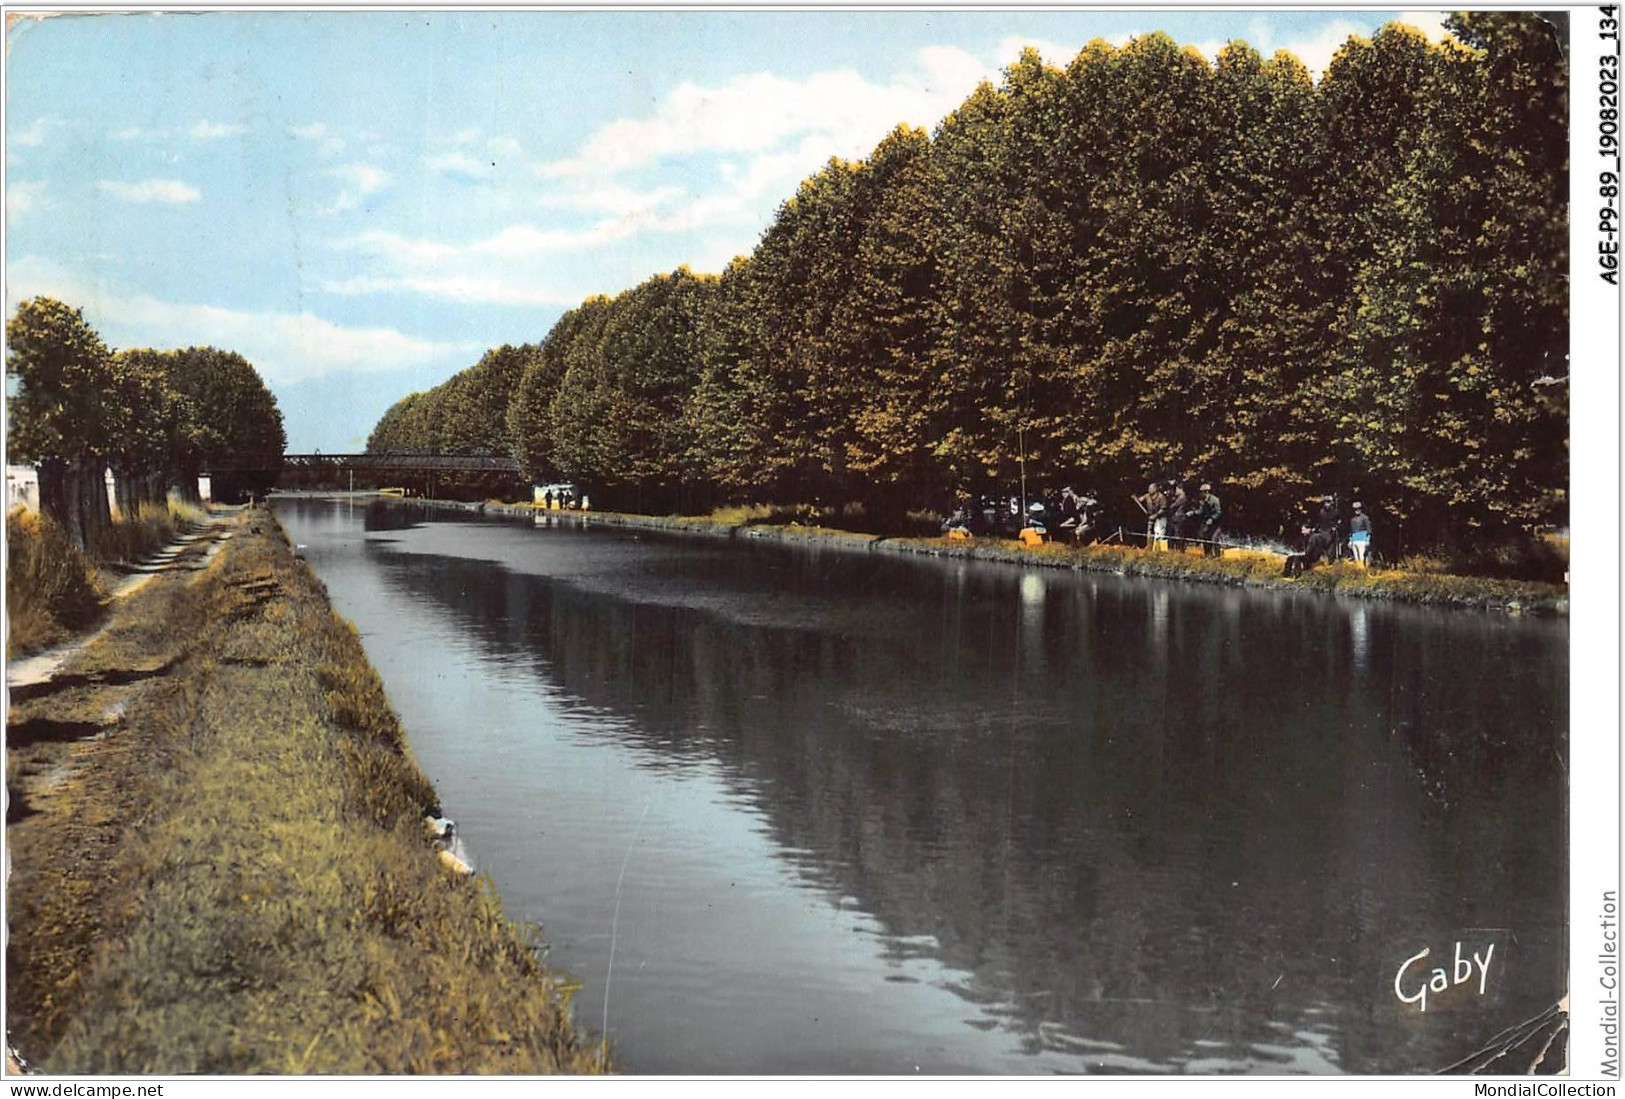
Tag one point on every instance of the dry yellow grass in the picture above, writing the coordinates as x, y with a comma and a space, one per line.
236, 879
51, 588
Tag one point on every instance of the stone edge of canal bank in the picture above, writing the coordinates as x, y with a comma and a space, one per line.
1444, 591
231, 874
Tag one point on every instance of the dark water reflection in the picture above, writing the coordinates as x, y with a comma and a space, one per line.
858, 813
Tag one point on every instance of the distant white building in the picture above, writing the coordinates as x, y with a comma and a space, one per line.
22, 487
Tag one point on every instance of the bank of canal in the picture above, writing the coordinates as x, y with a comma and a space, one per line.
1237, 567
791, 810
218, 856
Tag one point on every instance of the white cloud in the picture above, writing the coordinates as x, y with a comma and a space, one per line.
317, 133
470, 155
760, 112
516, 266
202, 130
1316, 53
284, 347
139, 133
1430, 23
951, 71
168, 191
360, 180
459, 165
749, 193
366, 178
762, 134
612, 199
464, 288
25, 196
1053, 53
35, 133
214, 131
745, 144
469, 152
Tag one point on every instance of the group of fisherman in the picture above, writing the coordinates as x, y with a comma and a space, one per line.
1322, 535
560, 498
1179, 513
1177, 516
1071, 515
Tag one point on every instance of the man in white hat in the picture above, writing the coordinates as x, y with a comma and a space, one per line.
1359, 534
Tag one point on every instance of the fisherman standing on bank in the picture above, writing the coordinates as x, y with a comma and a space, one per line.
1330, 523
1360, 534
1088, 519
1070, 512
1181, 514
1207, 515
1155, 505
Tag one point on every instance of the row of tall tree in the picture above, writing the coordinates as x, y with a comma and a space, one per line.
1140, 265
156, 419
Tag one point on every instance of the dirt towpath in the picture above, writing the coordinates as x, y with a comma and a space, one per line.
62, 703
218, 861
190, 552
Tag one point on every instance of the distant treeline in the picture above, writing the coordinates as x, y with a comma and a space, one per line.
155, 418
1142, 265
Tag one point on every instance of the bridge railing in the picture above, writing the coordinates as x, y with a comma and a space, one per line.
479, 463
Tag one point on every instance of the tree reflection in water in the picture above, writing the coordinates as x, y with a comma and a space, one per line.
1150, 826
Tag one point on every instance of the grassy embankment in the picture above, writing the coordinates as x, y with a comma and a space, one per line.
234, 877
1414, 580
54, 591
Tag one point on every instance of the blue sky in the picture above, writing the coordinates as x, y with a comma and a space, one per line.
362, 202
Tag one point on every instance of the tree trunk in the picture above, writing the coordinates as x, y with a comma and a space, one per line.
154, 483
185, 483
73, 495
127, 492
94, 518
73, 514
53, 494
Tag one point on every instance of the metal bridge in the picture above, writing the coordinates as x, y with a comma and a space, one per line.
368, 463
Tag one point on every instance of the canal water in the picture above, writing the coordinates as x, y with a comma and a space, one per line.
789, 810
